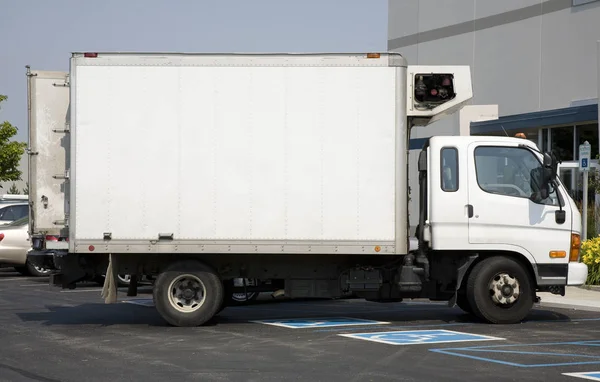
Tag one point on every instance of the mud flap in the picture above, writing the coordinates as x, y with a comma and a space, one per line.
109, 290
460, 275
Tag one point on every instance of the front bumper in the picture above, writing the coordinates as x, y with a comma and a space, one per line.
578, 273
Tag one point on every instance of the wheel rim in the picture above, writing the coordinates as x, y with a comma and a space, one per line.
241, 297
187, 293
504, 290
40, 269
124, 278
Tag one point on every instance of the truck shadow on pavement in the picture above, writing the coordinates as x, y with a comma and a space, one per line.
128, 314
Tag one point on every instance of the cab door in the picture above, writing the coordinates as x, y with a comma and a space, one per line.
501, 213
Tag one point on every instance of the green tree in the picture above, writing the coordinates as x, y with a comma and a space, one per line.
10, 151
26, 189
14, 190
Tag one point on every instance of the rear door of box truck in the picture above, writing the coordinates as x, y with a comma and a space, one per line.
237, 153
48, 105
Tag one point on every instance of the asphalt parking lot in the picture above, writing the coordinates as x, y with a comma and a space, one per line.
71, 335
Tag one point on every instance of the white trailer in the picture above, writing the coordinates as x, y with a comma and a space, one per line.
204, 168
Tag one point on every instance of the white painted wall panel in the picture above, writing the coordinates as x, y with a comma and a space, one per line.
454, 50
568, 59
453, 11
486, 8
507, 62
235, 153
407, 12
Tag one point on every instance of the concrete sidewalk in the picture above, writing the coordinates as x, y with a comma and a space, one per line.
579, 298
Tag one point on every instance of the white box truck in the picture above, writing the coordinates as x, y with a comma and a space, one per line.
199, 169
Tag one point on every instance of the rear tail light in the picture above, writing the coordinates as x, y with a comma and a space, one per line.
575, 247
1, 236
51, 238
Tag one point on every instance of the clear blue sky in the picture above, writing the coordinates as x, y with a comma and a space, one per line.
43, 33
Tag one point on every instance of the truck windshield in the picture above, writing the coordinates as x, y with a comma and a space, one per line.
507, 171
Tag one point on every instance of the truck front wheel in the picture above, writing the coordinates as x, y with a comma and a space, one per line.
499, 290
188, 293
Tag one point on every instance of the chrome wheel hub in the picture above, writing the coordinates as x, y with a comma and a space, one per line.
504, 289
187, 293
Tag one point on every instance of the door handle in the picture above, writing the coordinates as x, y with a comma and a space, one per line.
470, 210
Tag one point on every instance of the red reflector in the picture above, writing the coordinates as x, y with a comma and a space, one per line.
1, 236
51, 238
92, 248
90, 55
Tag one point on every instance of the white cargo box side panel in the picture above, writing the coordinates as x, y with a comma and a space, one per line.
48, 145
242, 152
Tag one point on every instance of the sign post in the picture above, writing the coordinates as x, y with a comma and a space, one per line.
585, 153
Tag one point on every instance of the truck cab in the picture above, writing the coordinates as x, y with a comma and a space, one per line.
500, 196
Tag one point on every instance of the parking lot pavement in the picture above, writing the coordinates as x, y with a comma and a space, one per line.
54, 335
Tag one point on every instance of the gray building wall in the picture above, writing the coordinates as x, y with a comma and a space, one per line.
525, 55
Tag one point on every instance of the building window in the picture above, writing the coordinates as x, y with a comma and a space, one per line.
587, 133
562, 142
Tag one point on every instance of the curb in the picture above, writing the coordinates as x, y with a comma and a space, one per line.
570, 306
595, 288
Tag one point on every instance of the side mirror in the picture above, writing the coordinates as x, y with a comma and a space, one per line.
551, 163
540, 183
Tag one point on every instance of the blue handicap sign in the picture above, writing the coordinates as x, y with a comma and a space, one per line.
584, 162
414, 337
321, 322
590, 375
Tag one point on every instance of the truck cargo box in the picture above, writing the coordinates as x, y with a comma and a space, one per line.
48, 105
230, 153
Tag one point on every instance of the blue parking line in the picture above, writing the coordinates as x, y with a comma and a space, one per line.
494, 349
394, 327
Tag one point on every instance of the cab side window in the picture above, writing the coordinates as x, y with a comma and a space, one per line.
449, 169
507, 171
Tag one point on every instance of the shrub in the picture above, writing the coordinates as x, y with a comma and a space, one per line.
590, 255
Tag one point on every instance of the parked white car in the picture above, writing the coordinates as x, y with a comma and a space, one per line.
14, 246
12, 211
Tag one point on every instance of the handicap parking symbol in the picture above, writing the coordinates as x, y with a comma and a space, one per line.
322, 322
416, 337
589, 375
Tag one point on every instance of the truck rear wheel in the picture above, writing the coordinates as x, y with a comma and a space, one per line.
188, 293
499, 291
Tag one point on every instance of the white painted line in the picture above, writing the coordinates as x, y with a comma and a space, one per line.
31, 285
80, 290
416, 337
12, 278
321, 322
591, 375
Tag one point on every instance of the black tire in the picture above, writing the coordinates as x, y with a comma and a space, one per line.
463, 303
479, 295
168, 297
